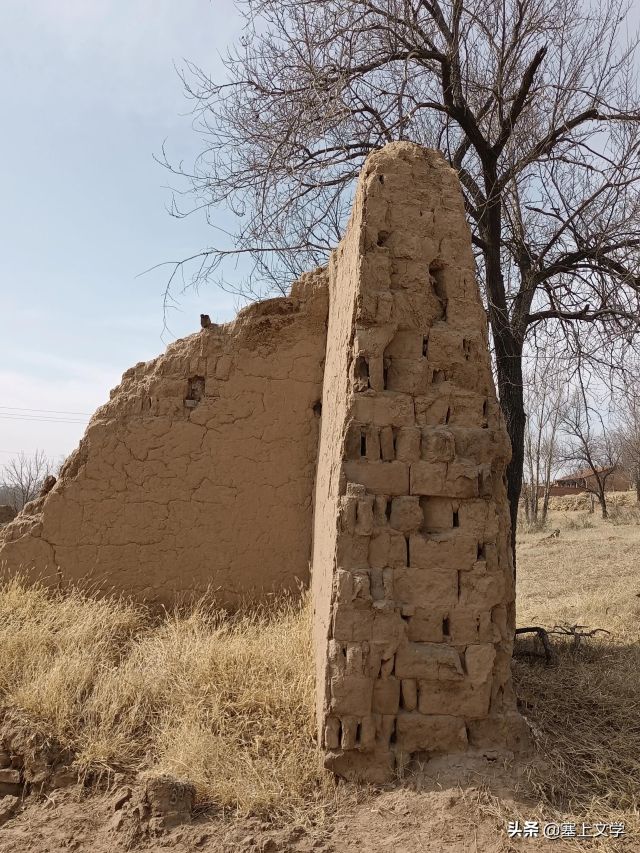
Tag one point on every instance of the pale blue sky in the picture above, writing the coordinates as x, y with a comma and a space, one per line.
89, 93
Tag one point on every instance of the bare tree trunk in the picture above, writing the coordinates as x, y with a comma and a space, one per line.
511, 399
508, 347
603, 504
545, 502
510, 388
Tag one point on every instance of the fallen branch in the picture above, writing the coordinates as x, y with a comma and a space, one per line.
577, 632
543, 636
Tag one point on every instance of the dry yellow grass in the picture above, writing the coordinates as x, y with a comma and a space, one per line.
585, 708
228, 704
225, 704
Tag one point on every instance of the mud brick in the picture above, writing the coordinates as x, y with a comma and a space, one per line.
381, 478
481, 589
368, 732
386, 695
409, 694
353, 551
354, 655
413, 377
428, 478
443, 551
351, 694
470, 625
438, 445
439, 733
388, 626
372, 442
10, 777
479, 659
438, 514
428, 661
331, 734
462, 698
351, 625
408, 444
427, 588
425, 626
387, 449
406, 344
349, 727
406, 514
387, 549
384, 409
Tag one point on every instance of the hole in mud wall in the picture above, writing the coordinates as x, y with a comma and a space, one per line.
383, 236
361, 373
425, 346
408, 554
363, 443
446, 631
387, 510
439, 376
436, 276
392, 735
195, 390
447, 417
485, 410
317, 408
481, 551
456, 518
381, 178
386, 364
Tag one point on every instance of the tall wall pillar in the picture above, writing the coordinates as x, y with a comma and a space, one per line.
412, 573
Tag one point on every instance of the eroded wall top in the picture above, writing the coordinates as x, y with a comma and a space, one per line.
199, 471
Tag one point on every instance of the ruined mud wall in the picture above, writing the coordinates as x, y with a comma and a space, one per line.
199, 471
412, 576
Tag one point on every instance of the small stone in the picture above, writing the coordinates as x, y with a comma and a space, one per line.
63, 778
117, 821
12, 777
8, 807
122, 796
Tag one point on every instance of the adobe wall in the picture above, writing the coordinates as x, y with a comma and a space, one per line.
412, 574
199, 471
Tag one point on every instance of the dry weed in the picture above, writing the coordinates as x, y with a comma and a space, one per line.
586, 708
224, 703
228, 703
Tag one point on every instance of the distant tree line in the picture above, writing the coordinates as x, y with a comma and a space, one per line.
21, 478
576, 425
535, 104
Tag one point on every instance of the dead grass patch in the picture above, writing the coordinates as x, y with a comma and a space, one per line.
585, 709
226, 704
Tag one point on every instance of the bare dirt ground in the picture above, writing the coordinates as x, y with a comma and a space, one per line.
585, 713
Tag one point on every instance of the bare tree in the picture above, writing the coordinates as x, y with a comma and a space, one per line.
589, 444
534, 102
23, 476
628, 419
545, 398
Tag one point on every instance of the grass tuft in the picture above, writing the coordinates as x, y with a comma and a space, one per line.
226, 704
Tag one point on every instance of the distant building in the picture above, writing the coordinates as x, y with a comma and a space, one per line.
584, 481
